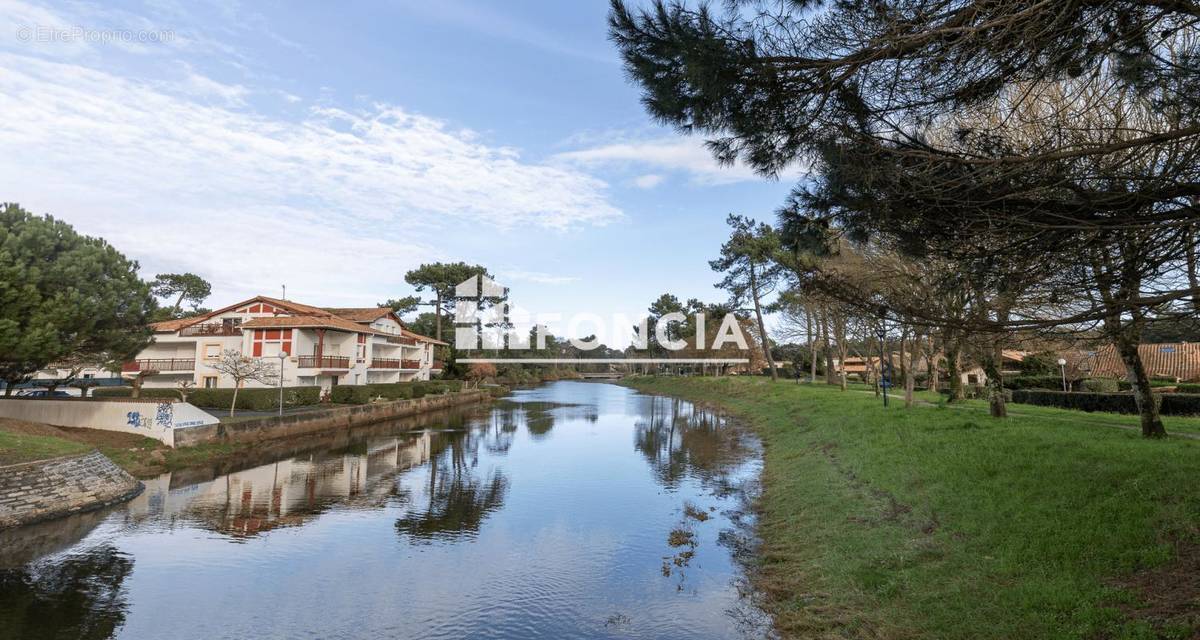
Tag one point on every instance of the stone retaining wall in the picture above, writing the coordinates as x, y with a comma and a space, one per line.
35, 491
312, 422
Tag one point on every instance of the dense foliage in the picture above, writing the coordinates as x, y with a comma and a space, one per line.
64, 295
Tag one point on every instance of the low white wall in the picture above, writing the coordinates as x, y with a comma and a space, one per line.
156, 419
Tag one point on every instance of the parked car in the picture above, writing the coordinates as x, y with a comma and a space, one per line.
42, 393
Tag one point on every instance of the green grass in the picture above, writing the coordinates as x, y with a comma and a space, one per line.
933, 522
17, 447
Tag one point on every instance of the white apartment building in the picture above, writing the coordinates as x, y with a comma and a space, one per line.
323, 347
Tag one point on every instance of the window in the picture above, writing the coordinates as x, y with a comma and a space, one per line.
212, 351
271, 342
210, 382
362, 347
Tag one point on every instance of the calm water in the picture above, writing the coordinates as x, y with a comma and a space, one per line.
549, 515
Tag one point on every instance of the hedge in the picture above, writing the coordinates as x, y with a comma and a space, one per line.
1100, 385
1124, 385
1169, 404
1187, 388
247, 399
1180, 404
357, 394
1052, 383
1082, 401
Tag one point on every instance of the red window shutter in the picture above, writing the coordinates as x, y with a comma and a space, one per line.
257, 349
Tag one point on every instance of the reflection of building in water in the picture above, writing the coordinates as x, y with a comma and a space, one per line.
287, 492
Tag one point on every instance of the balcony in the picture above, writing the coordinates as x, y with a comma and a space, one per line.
159, 364
412, 342
437, 365
324, 362
385, 363
410, 364
211, 329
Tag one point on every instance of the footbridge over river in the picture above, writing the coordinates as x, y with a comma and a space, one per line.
602, 375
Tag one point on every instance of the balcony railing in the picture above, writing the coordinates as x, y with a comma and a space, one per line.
324, 362
159, 364
211, 329
410, 364
385, 363
412, 342
437, 365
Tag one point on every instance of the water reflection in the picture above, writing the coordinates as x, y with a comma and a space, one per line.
73, 596
285, 493
534, 517
681, 441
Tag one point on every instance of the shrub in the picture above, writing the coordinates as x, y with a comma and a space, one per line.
127, 392
1100, 385
1082, 401
392, 391
1180, 404
1187, 388
255, 399
347, 394
1123, 384
1052, 383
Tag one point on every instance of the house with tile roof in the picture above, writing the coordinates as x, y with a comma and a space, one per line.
1179, 361
323, 346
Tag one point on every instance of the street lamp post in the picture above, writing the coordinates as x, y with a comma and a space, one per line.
282, 356
1062, 365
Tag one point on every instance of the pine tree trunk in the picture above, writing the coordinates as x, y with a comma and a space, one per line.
910, 378
1192, 276
1135, 372
829, 371
762, 328
437, 315
954, 369
932, 368
991, 366
812, 347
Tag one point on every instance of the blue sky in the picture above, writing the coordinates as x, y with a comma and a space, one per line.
333, 146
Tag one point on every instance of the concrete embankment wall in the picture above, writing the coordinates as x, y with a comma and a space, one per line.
312, 422
153, 418
35, 491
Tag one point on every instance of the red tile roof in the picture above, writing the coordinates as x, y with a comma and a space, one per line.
306, 316
1170, 360
327, 321
360, 314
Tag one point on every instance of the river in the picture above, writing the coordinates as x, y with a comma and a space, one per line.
571, 510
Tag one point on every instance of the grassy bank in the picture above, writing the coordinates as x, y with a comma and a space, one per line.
935, 522
26, 442
140, 456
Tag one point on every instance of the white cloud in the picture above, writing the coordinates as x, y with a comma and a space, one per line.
648, 181
201, 86
334, 204
536, 277
687, 155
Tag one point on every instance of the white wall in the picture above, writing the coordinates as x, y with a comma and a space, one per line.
155, 419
